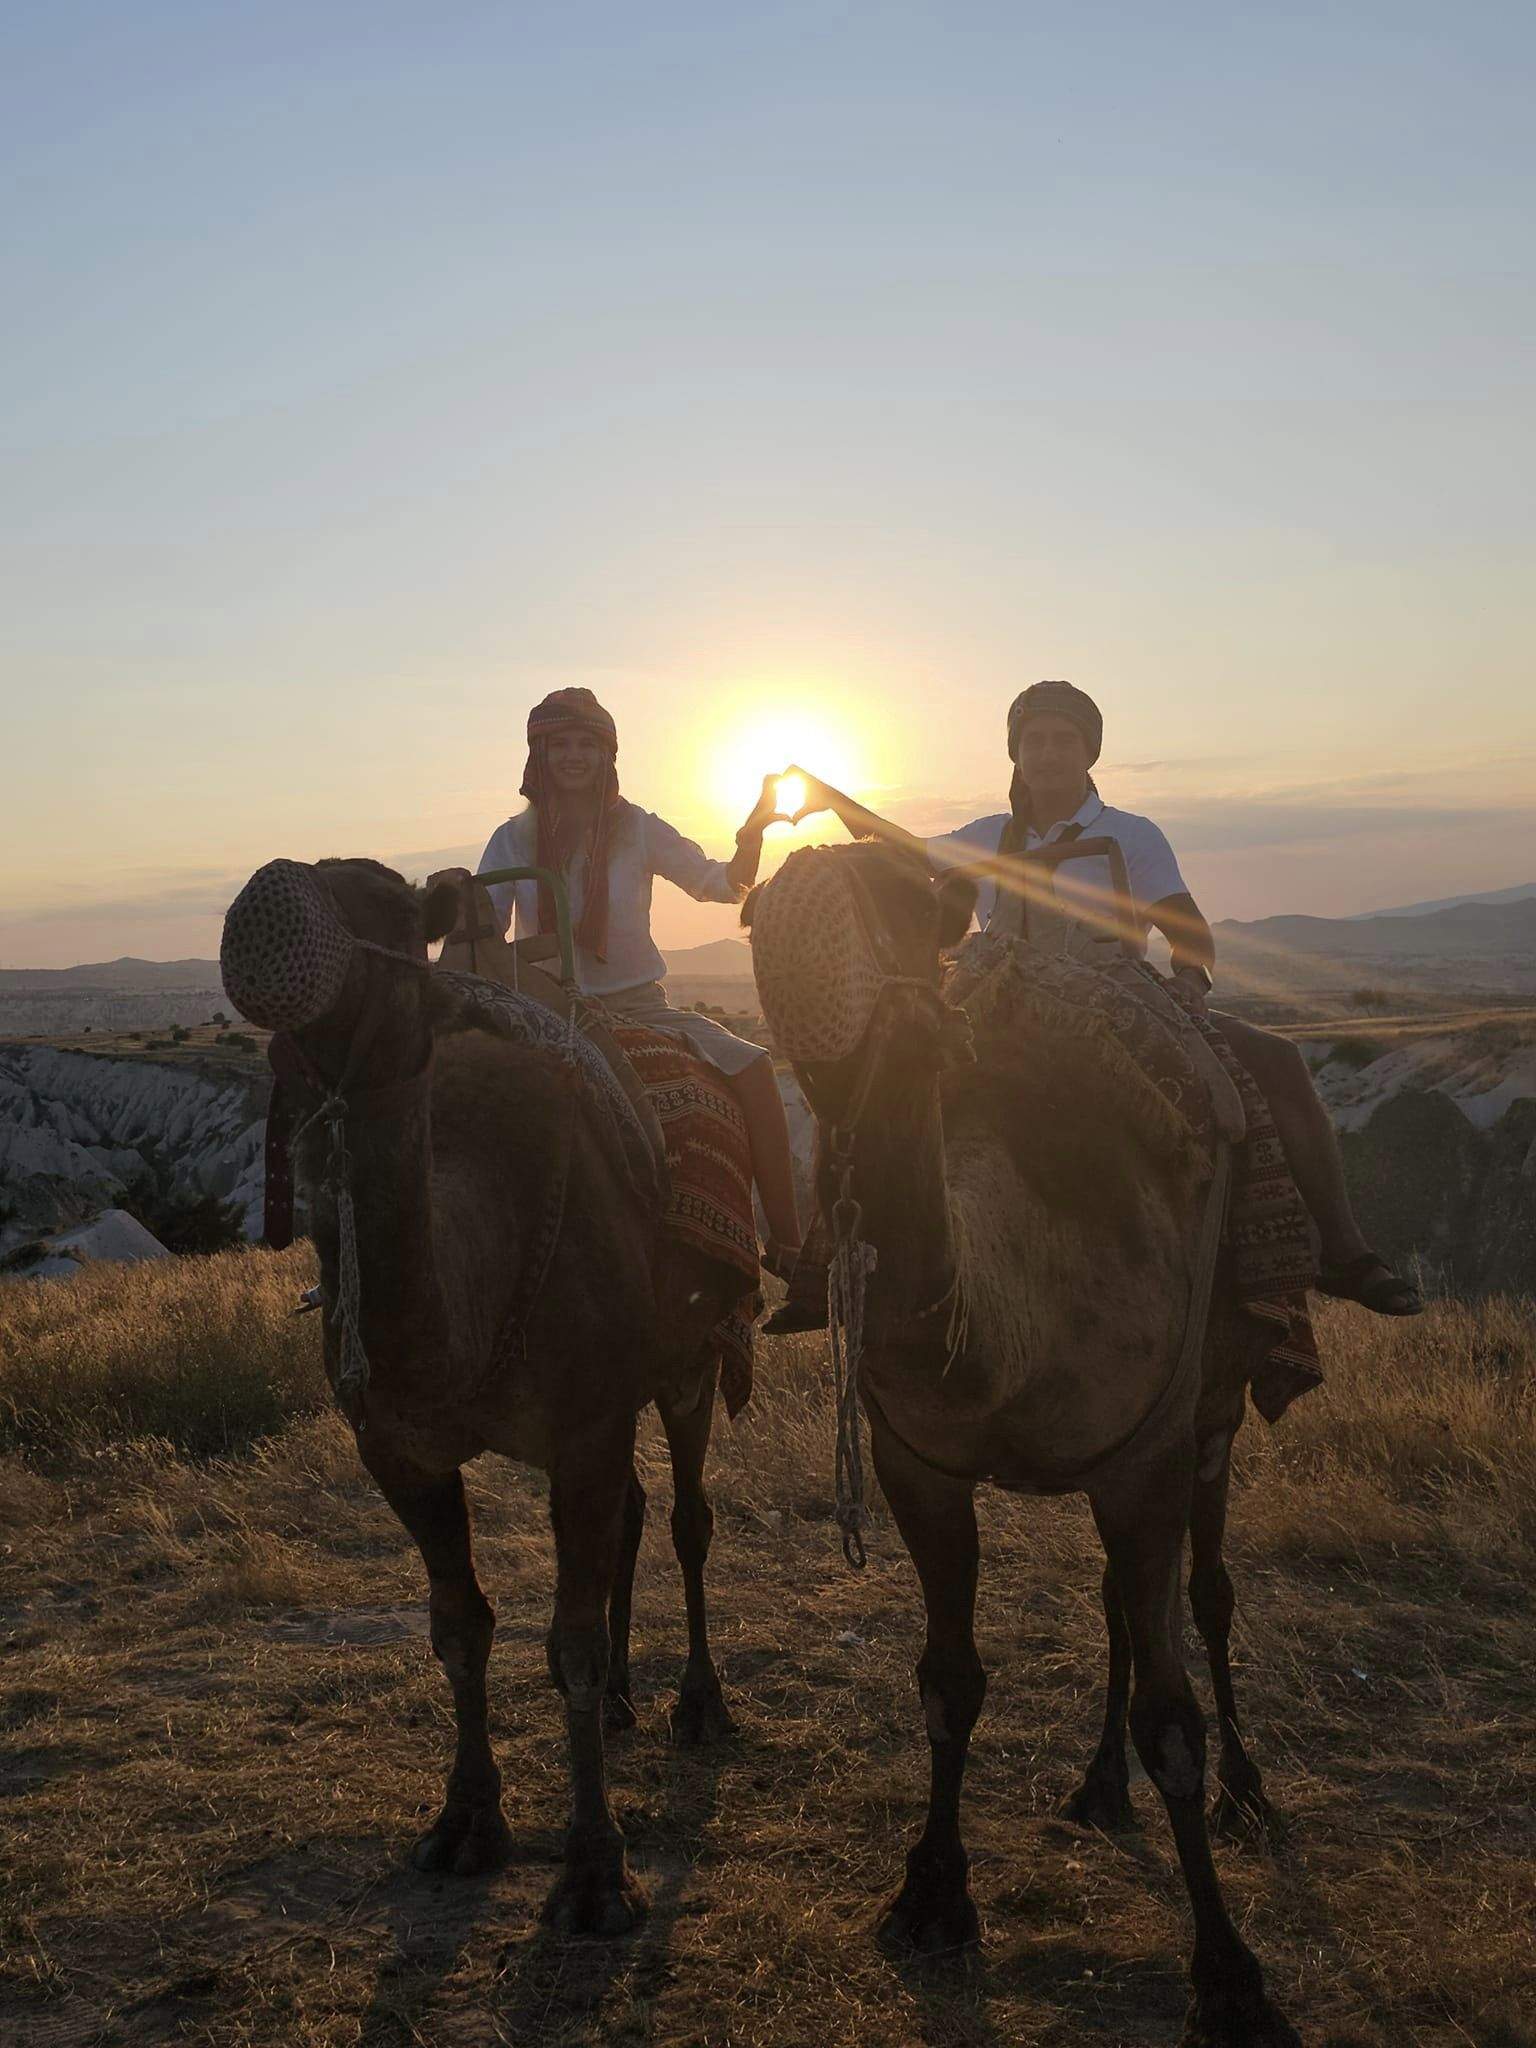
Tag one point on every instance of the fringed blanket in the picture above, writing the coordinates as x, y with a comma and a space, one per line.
1145, 1032
710, 1167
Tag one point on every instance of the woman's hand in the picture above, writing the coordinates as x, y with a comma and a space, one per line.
764, 812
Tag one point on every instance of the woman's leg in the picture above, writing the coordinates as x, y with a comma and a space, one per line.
773, 1169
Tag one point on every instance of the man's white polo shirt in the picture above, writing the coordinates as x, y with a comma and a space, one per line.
1083, 888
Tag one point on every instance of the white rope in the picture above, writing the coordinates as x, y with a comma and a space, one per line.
852, 1263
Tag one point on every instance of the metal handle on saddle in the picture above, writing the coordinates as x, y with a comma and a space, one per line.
562, 896
1012, 870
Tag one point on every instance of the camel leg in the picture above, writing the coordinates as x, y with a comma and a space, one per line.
701, 1714
469, 1835
1103, 1800
588, 1484
618, 1708
1143, 1530
933, 1911
1240, 1802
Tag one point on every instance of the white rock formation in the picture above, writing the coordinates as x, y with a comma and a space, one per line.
113, 1236
78, 1130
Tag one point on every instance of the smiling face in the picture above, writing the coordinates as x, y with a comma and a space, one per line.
577, 761
1052, 756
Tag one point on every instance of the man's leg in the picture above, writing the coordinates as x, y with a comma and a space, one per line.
1312, 1148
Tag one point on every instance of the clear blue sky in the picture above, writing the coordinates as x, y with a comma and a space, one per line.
802, 374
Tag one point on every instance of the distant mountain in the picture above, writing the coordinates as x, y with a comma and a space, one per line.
1515, 895
112, 974
719, 960
1470, 951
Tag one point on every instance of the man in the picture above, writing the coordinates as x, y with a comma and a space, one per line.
1055, 732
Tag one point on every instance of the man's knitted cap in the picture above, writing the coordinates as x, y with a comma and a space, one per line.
1057, 700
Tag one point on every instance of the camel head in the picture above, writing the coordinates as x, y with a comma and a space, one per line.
845, 950
311, 950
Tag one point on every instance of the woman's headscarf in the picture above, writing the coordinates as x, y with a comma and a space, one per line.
574, 710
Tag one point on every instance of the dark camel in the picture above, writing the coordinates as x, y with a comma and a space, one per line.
449, 1170
1030, 1301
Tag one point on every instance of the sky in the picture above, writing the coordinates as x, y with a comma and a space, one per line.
803, 379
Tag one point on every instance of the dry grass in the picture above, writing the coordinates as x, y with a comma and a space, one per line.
219, 1725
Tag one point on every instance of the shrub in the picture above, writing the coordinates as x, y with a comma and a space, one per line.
1355, 1053
1370, 999
179, 1034
205, 1354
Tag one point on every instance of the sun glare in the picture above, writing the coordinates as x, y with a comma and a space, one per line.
760, 747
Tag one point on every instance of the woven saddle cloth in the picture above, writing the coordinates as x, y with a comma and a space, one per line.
1175, 1075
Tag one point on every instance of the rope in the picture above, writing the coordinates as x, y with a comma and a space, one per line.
852, 1263
353, 1371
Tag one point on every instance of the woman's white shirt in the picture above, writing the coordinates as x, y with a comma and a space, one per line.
640, 847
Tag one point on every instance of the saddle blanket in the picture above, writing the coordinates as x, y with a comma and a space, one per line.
709, 1165
1134, 1013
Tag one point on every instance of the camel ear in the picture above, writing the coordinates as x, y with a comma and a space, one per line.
957, 905
749, 906
439, 910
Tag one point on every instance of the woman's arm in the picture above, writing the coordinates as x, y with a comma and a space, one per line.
749, 840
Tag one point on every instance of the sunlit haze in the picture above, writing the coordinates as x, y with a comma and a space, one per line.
804, 381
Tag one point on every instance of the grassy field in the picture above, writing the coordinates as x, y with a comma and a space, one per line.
220, 1725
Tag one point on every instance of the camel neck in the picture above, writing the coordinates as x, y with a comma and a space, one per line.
401, 1302
898, 1181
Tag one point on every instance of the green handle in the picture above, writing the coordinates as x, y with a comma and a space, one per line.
562, 898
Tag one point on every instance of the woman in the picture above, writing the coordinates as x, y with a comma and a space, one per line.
609, 852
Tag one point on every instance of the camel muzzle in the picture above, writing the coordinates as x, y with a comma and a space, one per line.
285, 951
817, 974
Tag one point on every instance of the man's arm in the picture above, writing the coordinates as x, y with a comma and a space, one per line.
862, 824
1190, 940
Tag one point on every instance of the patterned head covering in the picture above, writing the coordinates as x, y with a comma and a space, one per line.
1057, 700
574, 710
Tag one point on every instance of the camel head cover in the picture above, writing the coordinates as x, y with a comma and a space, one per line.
285, 950
817, 975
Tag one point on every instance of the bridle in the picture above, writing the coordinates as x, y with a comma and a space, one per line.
853, 1259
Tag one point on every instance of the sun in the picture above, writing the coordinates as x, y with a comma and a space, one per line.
757, 746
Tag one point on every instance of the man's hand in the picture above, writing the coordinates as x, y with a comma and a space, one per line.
815, 795
1194, 984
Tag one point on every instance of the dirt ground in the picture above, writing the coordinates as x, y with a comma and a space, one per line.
221, 1726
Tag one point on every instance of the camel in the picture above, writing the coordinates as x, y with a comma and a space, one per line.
1027, 1322
454, 1139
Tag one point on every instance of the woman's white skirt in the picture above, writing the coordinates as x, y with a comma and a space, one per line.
647, 1004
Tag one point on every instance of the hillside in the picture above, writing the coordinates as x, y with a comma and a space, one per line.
1469, 952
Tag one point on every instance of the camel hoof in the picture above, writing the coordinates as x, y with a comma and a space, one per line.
1246, 1816
1250, 2022
601, 1902
701, 1717
466, 1842
932, 1913
618, 1713
1103, 1803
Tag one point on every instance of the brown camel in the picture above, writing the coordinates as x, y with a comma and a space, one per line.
1028, 1322
454, 1140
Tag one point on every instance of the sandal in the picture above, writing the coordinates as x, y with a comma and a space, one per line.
1370, 1281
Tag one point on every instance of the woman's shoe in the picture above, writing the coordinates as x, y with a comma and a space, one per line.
1369, 1280
804, 1307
